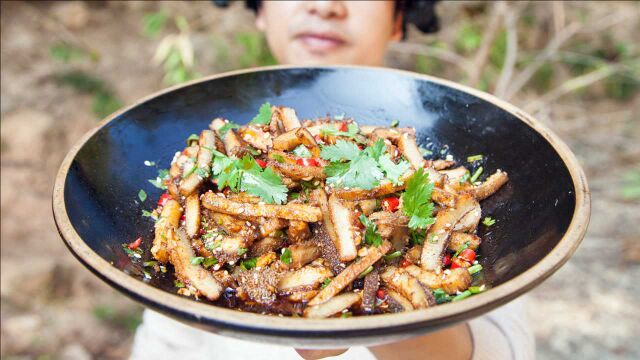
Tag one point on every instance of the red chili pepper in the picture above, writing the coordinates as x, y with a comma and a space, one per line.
183, 218
343, 127
467, 255
381, 294
357, 214
262, 163
447, 260
135, 244
307, 162
390, 203
162, 201
405, 262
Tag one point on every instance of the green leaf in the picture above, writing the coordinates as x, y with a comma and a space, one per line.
488, 221
332, 130
416, 200
301, 151
177, 283
249, 264
441, 296
325, 283
285, 257
209, 262
153, 22
395, 123
197, 260
392, 170
142, 195
416, 236
361, 173
264, 115
371, 236
279, 158
376, 150
264, 183
192, 137
242, 251
226, 127
342, 150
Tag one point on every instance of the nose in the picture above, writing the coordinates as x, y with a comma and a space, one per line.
327, 8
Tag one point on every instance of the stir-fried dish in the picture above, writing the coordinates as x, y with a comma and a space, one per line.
317, 218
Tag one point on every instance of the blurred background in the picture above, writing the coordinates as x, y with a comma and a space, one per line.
65, 65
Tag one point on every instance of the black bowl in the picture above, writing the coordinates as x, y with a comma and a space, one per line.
542, 213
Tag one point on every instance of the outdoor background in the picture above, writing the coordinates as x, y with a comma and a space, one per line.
66, 65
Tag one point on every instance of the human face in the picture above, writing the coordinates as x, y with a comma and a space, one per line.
329, 32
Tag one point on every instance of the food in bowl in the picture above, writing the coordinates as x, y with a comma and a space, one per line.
318, 218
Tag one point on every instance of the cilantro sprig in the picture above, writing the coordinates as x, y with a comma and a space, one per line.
246, 175
371, 236
416, 200
264, 115
353, 168
332, 130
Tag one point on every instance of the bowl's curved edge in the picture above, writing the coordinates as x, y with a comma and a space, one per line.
307, 332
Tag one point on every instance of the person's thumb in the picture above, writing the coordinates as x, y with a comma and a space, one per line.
319, 354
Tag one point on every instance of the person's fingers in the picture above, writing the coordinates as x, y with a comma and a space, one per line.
319, 354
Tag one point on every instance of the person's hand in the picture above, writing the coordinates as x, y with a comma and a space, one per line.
319, 354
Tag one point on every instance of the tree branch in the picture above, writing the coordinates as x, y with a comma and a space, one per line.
511, 55
438, 53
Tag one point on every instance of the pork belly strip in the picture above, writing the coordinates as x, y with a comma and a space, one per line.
491, 185
332, 306
341, 218
408, 286
349, 274
455, 280
230, 140
207, 143
298, 172
180, 254
169, 219
290, 211
308, 277
371, 285
437, 238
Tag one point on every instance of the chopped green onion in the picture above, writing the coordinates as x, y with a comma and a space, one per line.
196, 260
149, 263
424, 152
325, 283
346, 315
192, 137
476, 289
474, 269
242, 251
209, 262
464, 178
278, 158
142, 195
393, 255
441, 296
474, 158
462, 248
146, 274
465, 294
249, 264
177, 283
476, 175
150, 214
488, 221
286, 256
191, 171
395, 123
365, 272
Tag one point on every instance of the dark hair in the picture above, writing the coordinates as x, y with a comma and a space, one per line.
421, 13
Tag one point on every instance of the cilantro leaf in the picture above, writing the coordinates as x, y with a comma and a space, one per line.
342, 150
371, 235
263, 183
363, 173
488, 221
416, 200
163, 174
301, 151
392, 170
332, 130
264, 115
226, 127
249, 264
197, 260
286, 256
376, 149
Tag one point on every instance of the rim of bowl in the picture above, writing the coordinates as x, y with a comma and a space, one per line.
251, 322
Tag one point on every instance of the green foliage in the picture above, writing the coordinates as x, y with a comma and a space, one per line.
498, 50
67, 53
469, 38
255, 50
153, 23
631, 187
105, 101
542, 79
129, 319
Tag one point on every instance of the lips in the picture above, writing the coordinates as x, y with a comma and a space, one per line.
320, 42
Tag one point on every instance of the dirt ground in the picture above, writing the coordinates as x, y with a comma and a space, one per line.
51, 307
